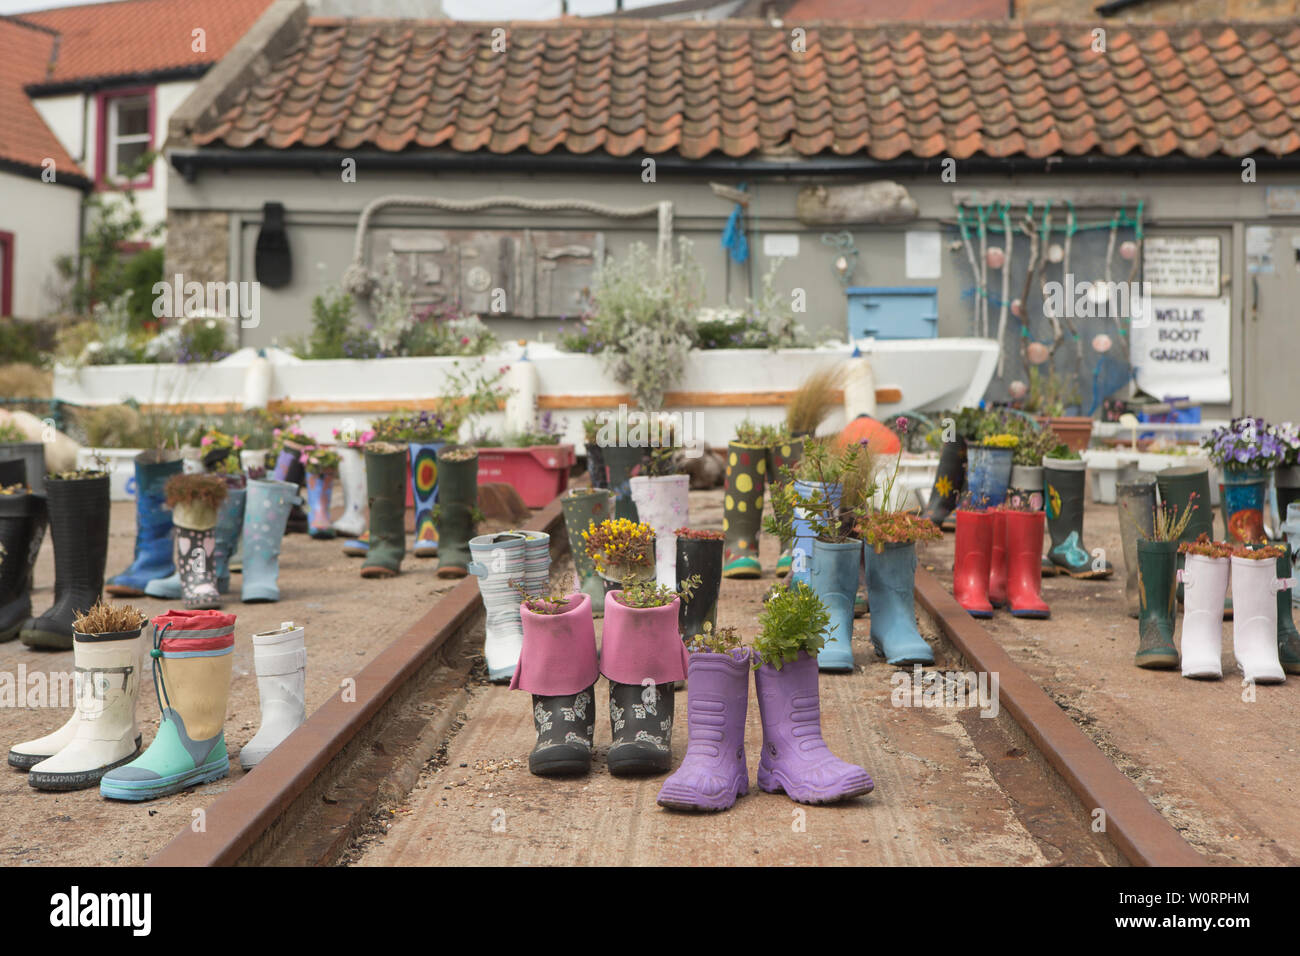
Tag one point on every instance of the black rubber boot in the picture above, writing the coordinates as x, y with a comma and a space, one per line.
22, 529
297, 523
642, 722
702, 556
1288, 639
79, 509
949, 477
566, 732
1063, 493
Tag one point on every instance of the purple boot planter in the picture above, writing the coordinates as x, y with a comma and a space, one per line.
795, 758
713, 773
557, 665
642, 656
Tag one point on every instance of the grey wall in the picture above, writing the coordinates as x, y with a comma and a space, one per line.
322, 214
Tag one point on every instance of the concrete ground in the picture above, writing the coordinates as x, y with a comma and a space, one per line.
348, 620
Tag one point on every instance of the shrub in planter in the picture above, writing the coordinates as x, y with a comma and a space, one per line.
622, 551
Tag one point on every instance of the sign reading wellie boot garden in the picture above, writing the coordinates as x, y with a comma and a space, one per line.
1183, 350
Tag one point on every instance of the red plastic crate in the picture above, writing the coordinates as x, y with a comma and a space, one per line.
538, 473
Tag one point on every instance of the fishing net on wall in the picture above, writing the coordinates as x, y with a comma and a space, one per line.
1055, 286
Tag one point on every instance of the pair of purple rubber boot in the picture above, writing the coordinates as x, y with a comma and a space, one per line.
795, 759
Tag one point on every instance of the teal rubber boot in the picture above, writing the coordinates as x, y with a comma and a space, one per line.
193, 652
266, 514
835, 581
891, 574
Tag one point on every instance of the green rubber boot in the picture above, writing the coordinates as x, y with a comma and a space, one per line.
457, 508
780, 457
1137, 505
1288, 639
386, 487
742, 515
193, 653
1063, 488
1157, 574
1176, 486
582, 508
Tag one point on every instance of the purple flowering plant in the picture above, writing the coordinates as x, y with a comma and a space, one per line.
1246, 444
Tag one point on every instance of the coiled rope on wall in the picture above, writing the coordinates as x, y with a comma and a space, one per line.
359, 280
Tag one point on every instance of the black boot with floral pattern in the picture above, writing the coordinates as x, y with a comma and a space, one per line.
566, 728
641, 718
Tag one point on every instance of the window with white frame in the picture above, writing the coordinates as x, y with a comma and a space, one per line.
127, 136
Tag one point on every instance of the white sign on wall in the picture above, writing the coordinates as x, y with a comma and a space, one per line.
1183, 351
780, 245
923, 254
1181, 265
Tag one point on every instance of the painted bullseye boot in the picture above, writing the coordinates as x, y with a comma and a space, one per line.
558, 667
582, 508
781, 460
352, 479
1254, 623
972, 554
1205, 582
642, 657
457, 511
102, 733
79, 510
280, 660
713, 774
795, 758
891, 575
1063, 489
835, 581
265, 517
1288, 639
499, 565
320, 489
153, 524
1024, 553
949, 477
998, 559
742, 507
1157, 570
22, 529
192, 656
698, 553
424, 495
386, 486
1137, 507
662, 503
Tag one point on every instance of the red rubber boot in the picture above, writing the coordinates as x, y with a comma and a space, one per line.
970, 573
1024, 569
998, 559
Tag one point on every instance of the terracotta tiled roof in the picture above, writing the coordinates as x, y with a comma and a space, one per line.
929, 11
143, 36
24, 137
885, 91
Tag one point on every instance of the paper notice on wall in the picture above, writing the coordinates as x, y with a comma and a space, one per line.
780, 245
923, 256
1181, 265
1183, 351
1259, 250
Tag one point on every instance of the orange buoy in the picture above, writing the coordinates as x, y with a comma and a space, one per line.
880, 440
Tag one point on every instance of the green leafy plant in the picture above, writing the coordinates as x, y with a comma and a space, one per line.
11, 433
824, 465
646, 594
321, 460
792, 621
424, 427
221, 452
751, 433
331, 323
714, 640
105, 267
645, 316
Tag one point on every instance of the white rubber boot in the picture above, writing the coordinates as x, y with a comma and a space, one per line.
352, 477
1205, 585
280, 659
499, 564
103, 730
662, 502
1254, 619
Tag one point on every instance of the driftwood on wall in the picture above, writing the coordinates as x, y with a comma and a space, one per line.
879, 202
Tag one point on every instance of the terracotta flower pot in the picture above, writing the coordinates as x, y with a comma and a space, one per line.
1074, 430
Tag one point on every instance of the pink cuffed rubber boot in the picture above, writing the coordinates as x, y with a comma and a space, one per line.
795, 758
714, 772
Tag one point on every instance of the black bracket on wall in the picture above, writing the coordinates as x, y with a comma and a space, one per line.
272, 263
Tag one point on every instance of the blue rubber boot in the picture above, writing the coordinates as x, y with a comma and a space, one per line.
193, 652
230, 525
801, 550
266, 512
835, 581
891, 573
153, 524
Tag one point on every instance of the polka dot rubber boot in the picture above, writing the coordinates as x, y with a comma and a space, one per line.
780, 457
743, 510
